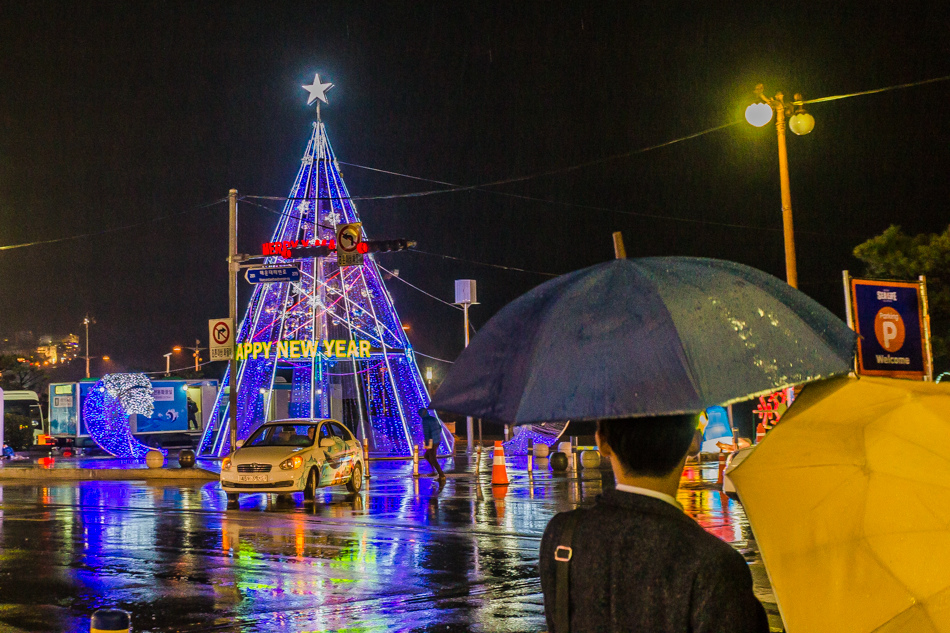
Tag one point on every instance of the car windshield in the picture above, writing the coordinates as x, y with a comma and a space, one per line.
283, 435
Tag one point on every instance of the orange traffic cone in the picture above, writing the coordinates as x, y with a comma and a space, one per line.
499, 473
722, 467
499, 493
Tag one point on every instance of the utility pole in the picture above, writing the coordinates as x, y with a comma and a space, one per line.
233, 268
465, 296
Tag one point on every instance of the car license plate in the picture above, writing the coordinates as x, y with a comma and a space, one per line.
252, 478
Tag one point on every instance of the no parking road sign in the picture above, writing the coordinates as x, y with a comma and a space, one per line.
221, 336
349, 244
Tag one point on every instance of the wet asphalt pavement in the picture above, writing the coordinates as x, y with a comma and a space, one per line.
401, 555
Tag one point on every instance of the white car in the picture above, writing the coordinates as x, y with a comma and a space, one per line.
287, 456
735, 458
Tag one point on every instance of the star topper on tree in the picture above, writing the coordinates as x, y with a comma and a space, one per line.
318, 91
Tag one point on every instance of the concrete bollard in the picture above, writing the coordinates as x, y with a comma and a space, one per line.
568, 449
110, 621
186, 458
366, 474
590, 460
415, 460
154, 459
541, 450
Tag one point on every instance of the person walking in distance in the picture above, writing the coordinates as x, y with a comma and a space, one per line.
432, 432
192, 412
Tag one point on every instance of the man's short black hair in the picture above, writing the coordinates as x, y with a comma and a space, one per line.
423, 413
650, 447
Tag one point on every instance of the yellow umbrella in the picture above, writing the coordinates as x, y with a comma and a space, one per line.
849, 501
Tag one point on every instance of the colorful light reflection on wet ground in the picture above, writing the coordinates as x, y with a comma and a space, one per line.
401, 555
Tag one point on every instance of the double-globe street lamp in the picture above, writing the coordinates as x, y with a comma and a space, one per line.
801, 123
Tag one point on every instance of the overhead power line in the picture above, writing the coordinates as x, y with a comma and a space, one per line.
477, 263
441, 360
874, 91
590, 207
126, 227
506, 181
452, 188
428, 294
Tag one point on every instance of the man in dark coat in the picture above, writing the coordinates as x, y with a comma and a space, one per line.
637, 562
192, 412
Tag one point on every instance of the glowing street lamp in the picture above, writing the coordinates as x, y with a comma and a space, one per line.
86, 322
168, 359
429, 375
799, 122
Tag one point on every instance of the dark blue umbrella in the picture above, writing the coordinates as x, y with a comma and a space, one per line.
644, 337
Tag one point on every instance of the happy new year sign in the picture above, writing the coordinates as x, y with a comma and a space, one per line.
303, 349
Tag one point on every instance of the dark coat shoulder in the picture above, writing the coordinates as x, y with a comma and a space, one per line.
641, 564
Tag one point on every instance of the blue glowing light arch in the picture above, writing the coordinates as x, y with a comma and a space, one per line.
106, 412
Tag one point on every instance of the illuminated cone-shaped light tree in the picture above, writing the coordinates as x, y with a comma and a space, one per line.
376, 395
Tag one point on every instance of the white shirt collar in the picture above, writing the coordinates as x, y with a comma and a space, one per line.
651, 493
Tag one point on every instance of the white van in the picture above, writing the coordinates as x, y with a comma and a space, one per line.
27, 404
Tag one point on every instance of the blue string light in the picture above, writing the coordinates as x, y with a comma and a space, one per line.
106, 412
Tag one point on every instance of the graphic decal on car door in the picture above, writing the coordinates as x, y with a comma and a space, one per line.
337, 463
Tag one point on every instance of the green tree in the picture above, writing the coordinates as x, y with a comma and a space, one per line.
17, 431
17, 372
895, 255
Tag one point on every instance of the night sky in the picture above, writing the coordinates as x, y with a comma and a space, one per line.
117, 113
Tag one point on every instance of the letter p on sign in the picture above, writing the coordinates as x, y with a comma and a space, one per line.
889, 329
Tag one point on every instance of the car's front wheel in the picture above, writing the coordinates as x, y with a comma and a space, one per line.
310, 492
355, 484
232, 498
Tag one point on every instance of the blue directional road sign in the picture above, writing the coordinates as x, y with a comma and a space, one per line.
272, 274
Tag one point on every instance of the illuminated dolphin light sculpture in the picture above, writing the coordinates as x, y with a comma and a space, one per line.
107, 409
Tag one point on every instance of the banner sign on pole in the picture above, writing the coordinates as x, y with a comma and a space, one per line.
890, 318
221, 338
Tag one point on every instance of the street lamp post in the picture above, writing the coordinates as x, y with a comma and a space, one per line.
168, 359
86, 322
801, 123
465, 296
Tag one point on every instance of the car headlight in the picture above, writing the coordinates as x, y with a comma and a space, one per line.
226, 464
292, 463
